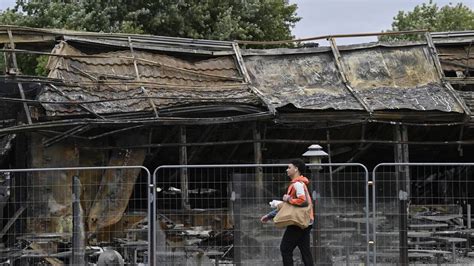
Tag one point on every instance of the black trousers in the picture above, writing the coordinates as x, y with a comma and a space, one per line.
296, 237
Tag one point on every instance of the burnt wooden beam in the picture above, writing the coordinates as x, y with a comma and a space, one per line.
78, 232
137, 73
12, 221
447, 62
403, 188
68, 133
243, 71
331, 190
461, 133
257, 151
113, 132
345, 80
19, 181
129, 122
439, 69
462, 81
401, 155
236, 199
282, 141
20, 85
183, 160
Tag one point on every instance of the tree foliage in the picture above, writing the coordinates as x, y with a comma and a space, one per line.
428, 16
206, 19
199, 19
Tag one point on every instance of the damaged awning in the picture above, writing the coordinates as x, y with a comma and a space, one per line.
103, 78
138, 81
380, 77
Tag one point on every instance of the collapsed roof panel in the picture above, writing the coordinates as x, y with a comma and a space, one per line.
307, 81
398, 78
133, 82
384, 77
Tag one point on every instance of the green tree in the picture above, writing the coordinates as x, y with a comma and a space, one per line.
428, 16
199, 19
207, 19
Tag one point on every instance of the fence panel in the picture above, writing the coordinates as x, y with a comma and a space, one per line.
210, 214
422, 213
74, 216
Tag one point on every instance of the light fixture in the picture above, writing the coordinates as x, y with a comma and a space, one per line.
315, 154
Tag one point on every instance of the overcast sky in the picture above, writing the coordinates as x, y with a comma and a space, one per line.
322, 17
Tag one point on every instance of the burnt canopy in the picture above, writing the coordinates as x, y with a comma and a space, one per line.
385, 78
151, 78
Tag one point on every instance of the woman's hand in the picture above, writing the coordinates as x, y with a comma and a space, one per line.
264, 219
286, 197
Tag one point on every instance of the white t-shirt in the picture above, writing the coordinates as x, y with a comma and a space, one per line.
299, 188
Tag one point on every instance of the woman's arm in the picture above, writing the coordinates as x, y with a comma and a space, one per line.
269, 216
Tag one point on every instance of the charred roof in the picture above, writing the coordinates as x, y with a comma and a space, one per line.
104, 76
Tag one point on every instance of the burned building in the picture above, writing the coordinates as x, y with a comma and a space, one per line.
123, 100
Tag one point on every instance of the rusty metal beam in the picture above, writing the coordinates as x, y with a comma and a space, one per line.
332, 36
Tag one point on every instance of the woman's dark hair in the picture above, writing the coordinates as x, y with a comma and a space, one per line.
298, 163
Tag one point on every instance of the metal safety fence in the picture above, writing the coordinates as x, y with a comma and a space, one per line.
75, 215
210, 214
422, 213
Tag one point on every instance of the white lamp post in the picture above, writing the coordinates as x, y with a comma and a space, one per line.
315, 154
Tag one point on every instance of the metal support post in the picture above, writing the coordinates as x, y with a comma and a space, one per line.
78, 235
403, 196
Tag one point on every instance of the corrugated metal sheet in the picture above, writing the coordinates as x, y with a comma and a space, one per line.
170, 81
386, 78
